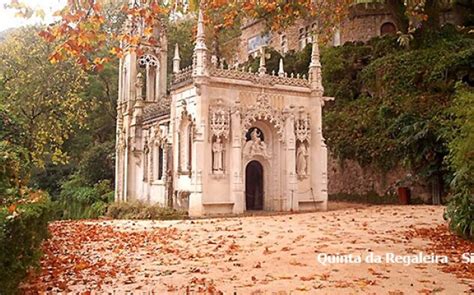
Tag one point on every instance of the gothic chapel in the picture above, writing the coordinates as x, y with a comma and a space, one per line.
219, 140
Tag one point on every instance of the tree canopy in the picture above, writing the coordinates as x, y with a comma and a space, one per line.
83, 26
44, 98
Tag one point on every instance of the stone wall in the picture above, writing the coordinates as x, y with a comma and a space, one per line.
349, 178
364, 22
255, 28
363, 28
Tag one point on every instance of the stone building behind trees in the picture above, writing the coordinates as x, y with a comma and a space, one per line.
366, 19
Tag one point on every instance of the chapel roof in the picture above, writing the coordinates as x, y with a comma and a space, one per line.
159, 109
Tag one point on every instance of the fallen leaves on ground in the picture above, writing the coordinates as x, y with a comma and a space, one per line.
251, 255
443, 242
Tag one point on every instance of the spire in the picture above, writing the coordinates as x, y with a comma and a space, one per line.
176, 59
281, 71
315, 53
200, 50
315, 78
200, 36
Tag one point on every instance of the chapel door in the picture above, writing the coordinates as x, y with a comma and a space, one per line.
254, 186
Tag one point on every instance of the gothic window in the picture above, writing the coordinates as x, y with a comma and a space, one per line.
388, 28
125, 83
254, 43
149, 68
159, 142
190, 146
160, 163
302, 38
308, 36
185, 142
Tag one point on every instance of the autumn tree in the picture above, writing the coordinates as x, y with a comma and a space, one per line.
44, 97
83, 27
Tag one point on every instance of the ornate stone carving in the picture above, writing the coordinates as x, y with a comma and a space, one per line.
146, 160
302, 126
257, 78
217, 156
155, 110
302, 160
158, 137
183, 76
185, 140
121, 140
263, 110
219, 120
139, 86
148, 60
256, 146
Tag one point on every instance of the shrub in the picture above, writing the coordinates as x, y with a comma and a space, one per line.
140, 210
460, 212
22, 229
459, 132
97, 163
79, 200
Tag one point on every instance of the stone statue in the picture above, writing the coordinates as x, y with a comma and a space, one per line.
217, 153
255, 146
301, 160
139, 86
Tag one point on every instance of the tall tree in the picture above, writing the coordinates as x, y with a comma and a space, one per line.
44, 97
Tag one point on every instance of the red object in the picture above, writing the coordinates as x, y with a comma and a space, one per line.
404, 195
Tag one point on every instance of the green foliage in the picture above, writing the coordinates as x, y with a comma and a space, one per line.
98, 163
459, 131
45, 98
79, 200
181, 32
21, 234
293, 62
460, 212
140, 210
14, 161
390, 103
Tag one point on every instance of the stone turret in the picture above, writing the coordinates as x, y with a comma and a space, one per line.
200, 50
176, 59
315, 78
281, 70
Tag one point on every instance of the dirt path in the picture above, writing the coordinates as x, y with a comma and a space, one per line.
250, 255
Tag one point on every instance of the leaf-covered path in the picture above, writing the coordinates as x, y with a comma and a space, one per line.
255, 255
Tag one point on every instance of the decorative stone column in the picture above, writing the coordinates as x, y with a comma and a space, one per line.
235, 167
290, 156
197, 165
318, 150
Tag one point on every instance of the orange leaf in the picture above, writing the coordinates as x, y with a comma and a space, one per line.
12, 208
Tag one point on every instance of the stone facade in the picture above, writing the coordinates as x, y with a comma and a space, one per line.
224, 140
364, 22
367, 21
294, 38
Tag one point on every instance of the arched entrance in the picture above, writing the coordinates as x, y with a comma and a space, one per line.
388, 29
254, 186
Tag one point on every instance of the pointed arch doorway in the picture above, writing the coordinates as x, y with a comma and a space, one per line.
254, 186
